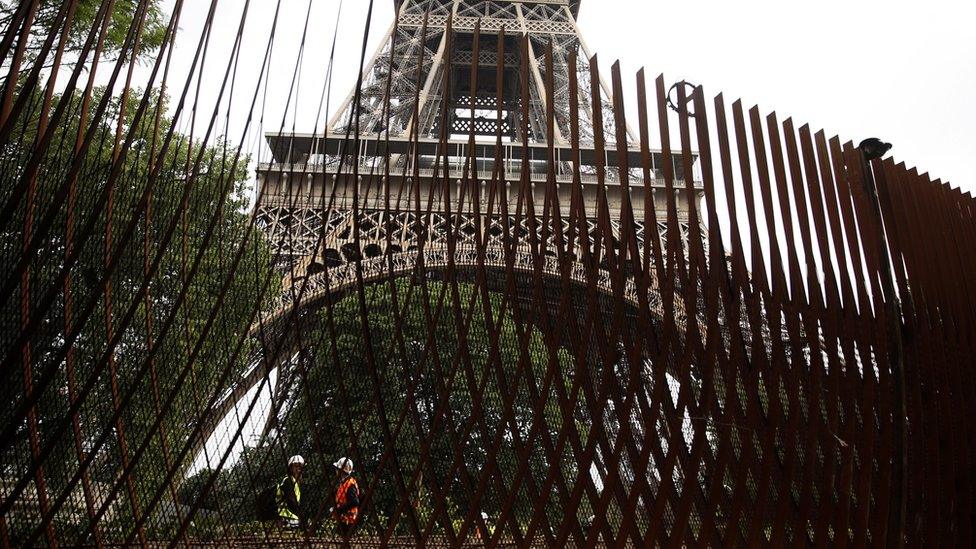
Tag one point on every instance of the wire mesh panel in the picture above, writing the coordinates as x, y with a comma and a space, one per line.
528, 317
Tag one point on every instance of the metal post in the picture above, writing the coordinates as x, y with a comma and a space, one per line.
873, 149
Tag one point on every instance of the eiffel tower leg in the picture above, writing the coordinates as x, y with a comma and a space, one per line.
279, 397
261, 369
539, 88
344, 113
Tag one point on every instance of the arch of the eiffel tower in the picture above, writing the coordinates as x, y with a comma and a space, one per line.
421, 120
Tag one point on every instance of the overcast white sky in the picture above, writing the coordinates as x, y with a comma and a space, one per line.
901, 70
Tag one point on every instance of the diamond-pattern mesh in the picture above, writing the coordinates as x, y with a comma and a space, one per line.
749, 335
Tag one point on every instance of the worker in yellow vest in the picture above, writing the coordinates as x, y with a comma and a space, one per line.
346, 510
289, 495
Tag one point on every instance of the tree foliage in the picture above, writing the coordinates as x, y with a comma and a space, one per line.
193, 185
86, 16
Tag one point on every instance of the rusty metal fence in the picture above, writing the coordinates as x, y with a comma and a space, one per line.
795, 368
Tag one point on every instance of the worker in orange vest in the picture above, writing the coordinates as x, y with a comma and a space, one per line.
346, 510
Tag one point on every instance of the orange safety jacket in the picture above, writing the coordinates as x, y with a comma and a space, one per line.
347, 505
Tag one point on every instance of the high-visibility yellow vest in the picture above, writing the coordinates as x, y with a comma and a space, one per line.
283, 510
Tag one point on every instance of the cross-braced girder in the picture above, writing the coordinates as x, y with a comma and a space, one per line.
542, 23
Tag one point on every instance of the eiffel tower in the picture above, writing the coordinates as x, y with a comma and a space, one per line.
418, 73
430, 93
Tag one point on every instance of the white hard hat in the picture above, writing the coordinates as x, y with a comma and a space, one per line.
296, 459
345, 464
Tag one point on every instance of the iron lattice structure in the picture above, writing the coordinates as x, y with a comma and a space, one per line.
525, 324
439, 108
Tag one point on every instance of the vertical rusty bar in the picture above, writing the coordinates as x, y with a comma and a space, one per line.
677, 360
808, 313
756, 361
901, 243
634, 348
68, 287
10, 83
696, 352
107, 294
819, 327
27, 235
794, 306
732, 303
652, 234
26, 308
873, 340
842, 359
578, 244
717, 289
773, 304
30, 315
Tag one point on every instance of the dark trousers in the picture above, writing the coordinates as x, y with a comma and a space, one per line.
345, 530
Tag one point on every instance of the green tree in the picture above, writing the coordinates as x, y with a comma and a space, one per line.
123, 15
219, 177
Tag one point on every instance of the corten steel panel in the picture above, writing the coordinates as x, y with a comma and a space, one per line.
684, 335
